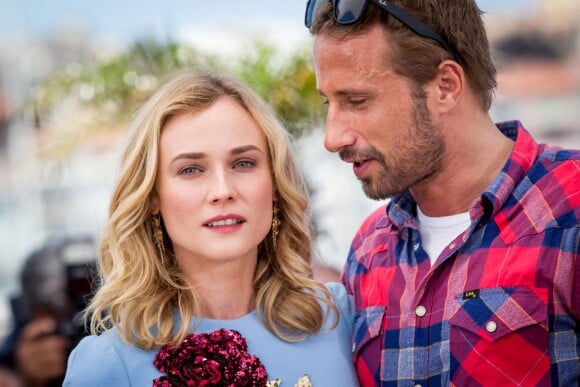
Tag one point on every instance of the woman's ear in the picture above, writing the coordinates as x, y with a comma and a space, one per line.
154, 206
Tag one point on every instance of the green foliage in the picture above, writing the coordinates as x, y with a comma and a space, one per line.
288, 84
107, 93
82, 103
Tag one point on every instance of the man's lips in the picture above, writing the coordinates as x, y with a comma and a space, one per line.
360, 167
360, 161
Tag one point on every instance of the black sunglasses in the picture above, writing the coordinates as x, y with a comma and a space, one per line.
350, 11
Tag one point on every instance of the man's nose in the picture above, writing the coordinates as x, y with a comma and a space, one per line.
339, 132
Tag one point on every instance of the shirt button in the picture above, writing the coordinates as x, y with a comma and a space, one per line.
416, 247
420, 311
452, 245
417, 385
491, 326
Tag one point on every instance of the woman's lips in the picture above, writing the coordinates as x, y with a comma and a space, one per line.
225, 223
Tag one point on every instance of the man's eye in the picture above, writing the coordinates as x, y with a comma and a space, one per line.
357, 101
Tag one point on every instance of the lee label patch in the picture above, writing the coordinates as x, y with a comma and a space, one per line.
471, 294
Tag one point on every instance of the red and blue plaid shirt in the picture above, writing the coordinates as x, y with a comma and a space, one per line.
500, 306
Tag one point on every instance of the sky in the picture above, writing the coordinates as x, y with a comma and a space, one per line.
209, 24
124, 21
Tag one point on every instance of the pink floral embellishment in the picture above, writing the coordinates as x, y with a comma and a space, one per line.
218, 358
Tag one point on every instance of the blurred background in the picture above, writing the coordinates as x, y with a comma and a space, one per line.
73, 72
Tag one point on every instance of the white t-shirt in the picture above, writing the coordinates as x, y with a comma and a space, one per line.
438, 232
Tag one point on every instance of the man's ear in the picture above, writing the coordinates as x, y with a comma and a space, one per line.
449, 85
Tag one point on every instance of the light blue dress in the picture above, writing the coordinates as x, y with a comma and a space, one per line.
106, 360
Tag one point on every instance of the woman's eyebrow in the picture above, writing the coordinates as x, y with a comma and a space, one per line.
245, 148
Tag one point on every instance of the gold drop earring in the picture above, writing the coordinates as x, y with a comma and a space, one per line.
158, 234
275, 223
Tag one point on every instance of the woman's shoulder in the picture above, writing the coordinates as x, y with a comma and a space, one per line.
95, 361
339, 294
108, 342
105, 360
343, 301
336, 289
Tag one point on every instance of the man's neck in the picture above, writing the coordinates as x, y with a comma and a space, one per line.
474, 157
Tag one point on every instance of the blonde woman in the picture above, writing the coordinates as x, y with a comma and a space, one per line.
205, 261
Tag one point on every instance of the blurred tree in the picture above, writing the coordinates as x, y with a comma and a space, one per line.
82, 101
289, 85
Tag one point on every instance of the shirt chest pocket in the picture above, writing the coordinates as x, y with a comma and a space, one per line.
500, 335
367, 328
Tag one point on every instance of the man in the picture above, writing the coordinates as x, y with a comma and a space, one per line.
470, 275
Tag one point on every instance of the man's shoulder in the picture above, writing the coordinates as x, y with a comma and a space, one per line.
373, 227
549, 194
376, 218
557, 173
557, 155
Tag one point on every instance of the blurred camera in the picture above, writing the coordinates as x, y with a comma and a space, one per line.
58, 281
80, 278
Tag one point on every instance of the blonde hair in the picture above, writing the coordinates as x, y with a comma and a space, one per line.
142, 286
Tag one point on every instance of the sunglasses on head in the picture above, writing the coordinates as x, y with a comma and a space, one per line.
350, 11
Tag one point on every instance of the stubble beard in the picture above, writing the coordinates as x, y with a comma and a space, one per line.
414, 159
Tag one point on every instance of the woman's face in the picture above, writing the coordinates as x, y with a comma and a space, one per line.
214, 186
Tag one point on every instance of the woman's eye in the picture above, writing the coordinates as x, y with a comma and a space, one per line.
244, 164
189, 170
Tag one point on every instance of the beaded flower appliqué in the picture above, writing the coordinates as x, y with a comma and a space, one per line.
218, 358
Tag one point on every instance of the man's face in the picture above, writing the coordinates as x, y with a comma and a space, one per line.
377, 119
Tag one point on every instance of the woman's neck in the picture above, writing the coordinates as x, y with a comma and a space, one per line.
227, 301
226, 289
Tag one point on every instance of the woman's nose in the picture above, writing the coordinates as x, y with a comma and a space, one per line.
221, 187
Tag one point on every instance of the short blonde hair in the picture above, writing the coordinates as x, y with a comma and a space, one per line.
141, 288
